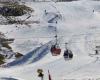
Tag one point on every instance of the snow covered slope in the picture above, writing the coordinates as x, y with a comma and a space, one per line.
79, 27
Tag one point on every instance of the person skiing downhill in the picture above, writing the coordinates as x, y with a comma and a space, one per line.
40, 73
45, 12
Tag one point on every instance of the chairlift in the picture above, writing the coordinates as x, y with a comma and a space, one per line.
67, 53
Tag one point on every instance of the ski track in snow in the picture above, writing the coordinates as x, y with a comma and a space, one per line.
32, 56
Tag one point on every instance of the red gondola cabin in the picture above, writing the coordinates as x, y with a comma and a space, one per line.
55, 50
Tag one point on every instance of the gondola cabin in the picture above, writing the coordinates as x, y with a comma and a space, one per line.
55, 50
68, 54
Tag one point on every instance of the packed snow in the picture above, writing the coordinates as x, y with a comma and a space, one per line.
77, 24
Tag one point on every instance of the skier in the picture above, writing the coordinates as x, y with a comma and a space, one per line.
45, 12
93, 10
96, 52
40, 73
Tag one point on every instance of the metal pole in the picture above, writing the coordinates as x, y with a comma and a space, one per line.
56, 36
66, 46
42, 78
